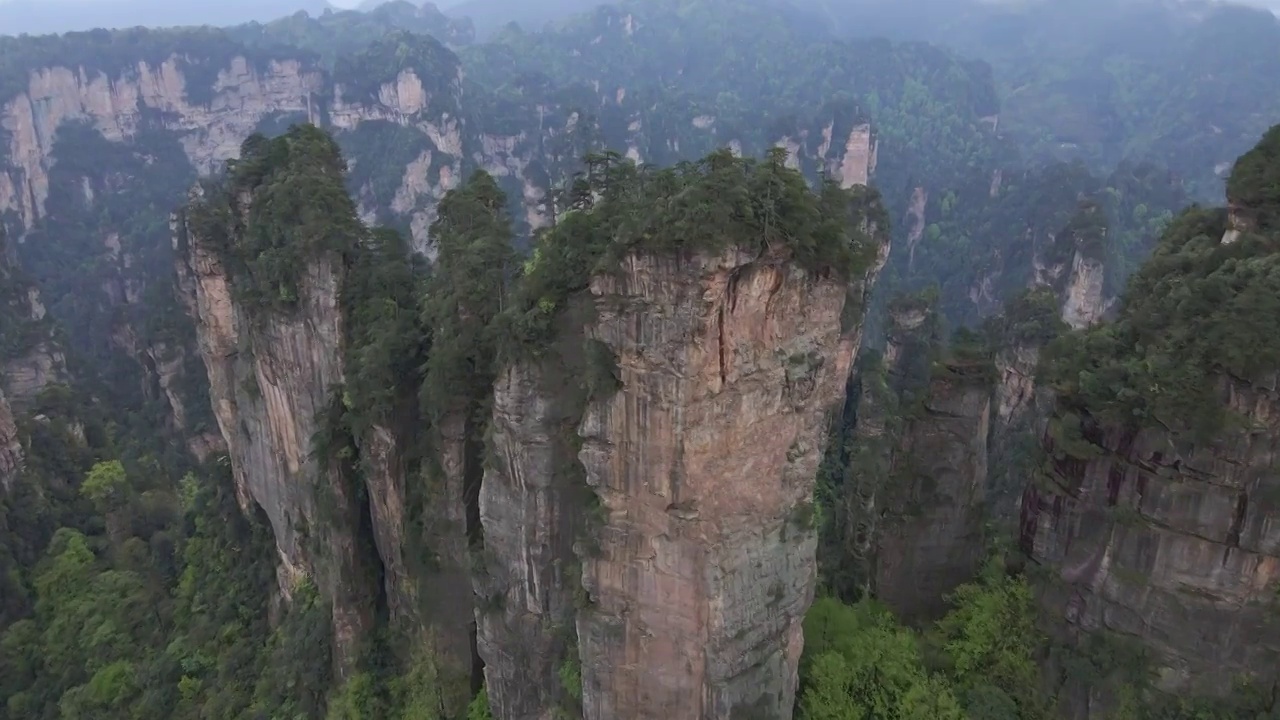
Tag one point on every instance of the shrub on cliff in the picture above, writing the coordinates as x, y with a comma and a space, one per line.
1198, 313
1255, 181
615, 208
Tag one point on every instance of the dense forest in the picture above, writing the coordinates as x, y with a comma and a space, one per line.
432, 263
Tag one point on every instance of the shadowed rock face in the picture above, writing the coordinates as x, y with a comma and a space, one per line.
531, 508
271, 378
1175, 546
37, 362
10, 447
1158, 526
687, 584
915, 491
930, 538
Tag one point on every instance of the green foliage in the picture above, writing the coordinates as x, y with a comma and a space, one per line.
1031, 318
679, 61
1199, 312
991, 641
467, 291
1254, 185
479, 708
1104, 81
105, 484
860, 664
979, 661
358, 700
201, 53
298, 213
332, 35
387, 339
570, 672
19, 331
1003, 235
91, 256
760, 207
424, 690
384, 149
362, 75
216, 653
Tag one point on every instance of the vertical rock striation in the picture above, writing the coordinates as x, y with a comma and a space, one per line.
528, 575
929, 536
1157, 508
30, 358
273, 371
704, 462
1174, 546
271, 380
912, 500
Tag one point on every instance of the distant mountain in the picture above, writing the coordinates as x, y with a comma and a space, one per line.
490, 15
39, 17
1191, 84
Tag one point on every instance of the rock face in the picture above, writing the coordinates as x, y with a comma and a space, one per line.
30, 359
1172, 545
1083, 302
271, 377
10, 446
157, 96
929, 536
850, 159
32, 371
915, 491
530, 508
118, 106
682, 593
1157, 522
1020, 409
427, 102
704, 462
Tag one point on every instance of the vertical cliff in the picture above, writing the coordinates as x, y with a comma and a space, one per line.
1086, 234
22, 334
262, 278
10, 445
1021, 404
909, 500
704, 462
930, 534
647, 513
30, 357
533, 508
1156, 511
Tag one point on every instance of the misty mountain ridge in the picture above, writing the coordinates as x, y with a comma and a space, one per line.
42, 17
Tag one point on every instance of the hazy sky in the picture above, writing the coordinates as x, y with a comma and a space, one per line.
1273, 4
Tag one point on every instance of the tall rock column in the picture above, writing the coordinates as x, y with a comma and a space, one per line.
531, 503
647, 505
274, 363
929, 537
913, 494
704, 462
